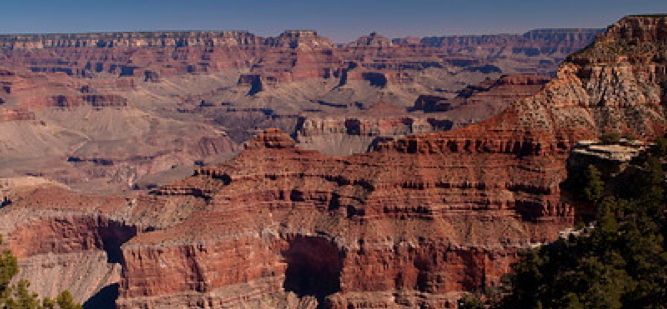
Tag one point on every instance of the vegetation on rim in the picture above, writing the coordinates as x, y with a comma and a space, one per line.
618, 261
18, 296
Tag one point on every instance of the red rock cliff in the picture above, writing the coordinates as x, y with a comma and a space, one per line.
424, 217
346, 231
413, 224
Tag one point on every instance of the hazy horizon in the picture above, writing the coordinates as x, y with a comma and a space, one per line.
341, 21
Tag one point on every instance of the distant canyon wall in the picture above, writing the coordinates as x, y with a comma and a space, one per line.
415, 223
152, 54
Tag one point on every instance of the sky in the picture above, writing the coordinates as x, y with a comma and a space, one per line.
339, 20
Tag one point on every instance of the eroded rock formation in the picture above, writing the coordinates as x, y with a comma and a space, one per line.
414, 223
400, 218
231, 81
85, 134
354, 133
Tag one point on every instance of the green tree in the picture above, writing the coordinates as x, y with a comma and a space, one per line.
23, 298
593, 184
19, 296
66, 301
620, 263
659, 147
610, 138
8, 269
471, 301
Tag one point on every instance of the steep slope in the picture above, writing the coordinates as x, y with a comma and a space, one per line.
502, 175
345, 134
77, 132
412, 224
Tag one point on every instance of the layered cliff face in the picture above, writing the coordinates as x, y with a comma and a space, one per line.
533, 43
128, 39
143, 54
68, 241
616, 84
347, 231
414, 223
81, 134
424, 216
345, 134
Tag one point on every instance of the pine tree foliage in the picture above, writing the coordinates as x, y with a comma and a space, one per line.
620, 262
19, 296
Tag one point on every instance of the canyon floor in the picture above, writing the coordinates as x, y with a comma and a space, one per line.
112, 112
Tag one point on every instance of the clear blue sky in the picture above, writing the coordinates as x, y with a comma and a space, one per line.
340, 20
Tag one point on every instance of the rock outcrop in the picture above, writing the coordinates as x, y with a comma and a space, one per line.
15, 115
485, 99
412, 224
84, 134
609, 158
382, 122
423, 216
68, 241
372, 40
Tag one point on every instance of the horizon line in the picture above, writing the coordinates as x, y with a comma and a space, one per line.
6, 34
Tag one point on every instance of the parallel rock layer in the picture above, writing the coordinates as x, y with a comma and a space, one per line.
413, 224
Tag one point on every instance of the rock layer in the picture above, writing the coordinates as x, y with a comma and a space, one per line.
474, 195
355, 133
414, 223
394, 218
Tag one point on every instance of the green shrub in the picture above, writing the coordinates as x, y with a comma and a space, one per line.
610, 138
19, 296
620, 263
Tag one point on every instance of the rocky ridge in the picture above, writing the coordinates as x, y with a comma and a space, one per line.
412, 224
78, 133
356, 133
515, 161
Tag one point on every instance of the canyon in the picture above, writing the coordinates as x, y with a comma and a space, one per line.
452, 184
108, 112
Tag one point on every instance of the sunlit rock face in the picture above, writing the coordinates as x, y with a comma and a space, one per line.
414, 223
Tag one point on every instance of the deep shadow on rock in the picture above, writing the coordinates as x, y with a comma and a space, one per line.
104, 299
314, 267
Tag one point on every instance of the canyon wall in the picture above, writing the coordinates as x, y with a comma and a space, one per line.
340, 229
533, 43
345, 134
149, 55
423, 216
414, 223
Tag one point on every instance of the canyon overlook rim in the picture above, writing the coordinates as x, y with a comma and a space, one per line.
108, 112
415, 222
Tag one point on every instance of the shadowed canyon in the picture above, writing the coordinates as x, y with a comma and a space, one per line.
226, 170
